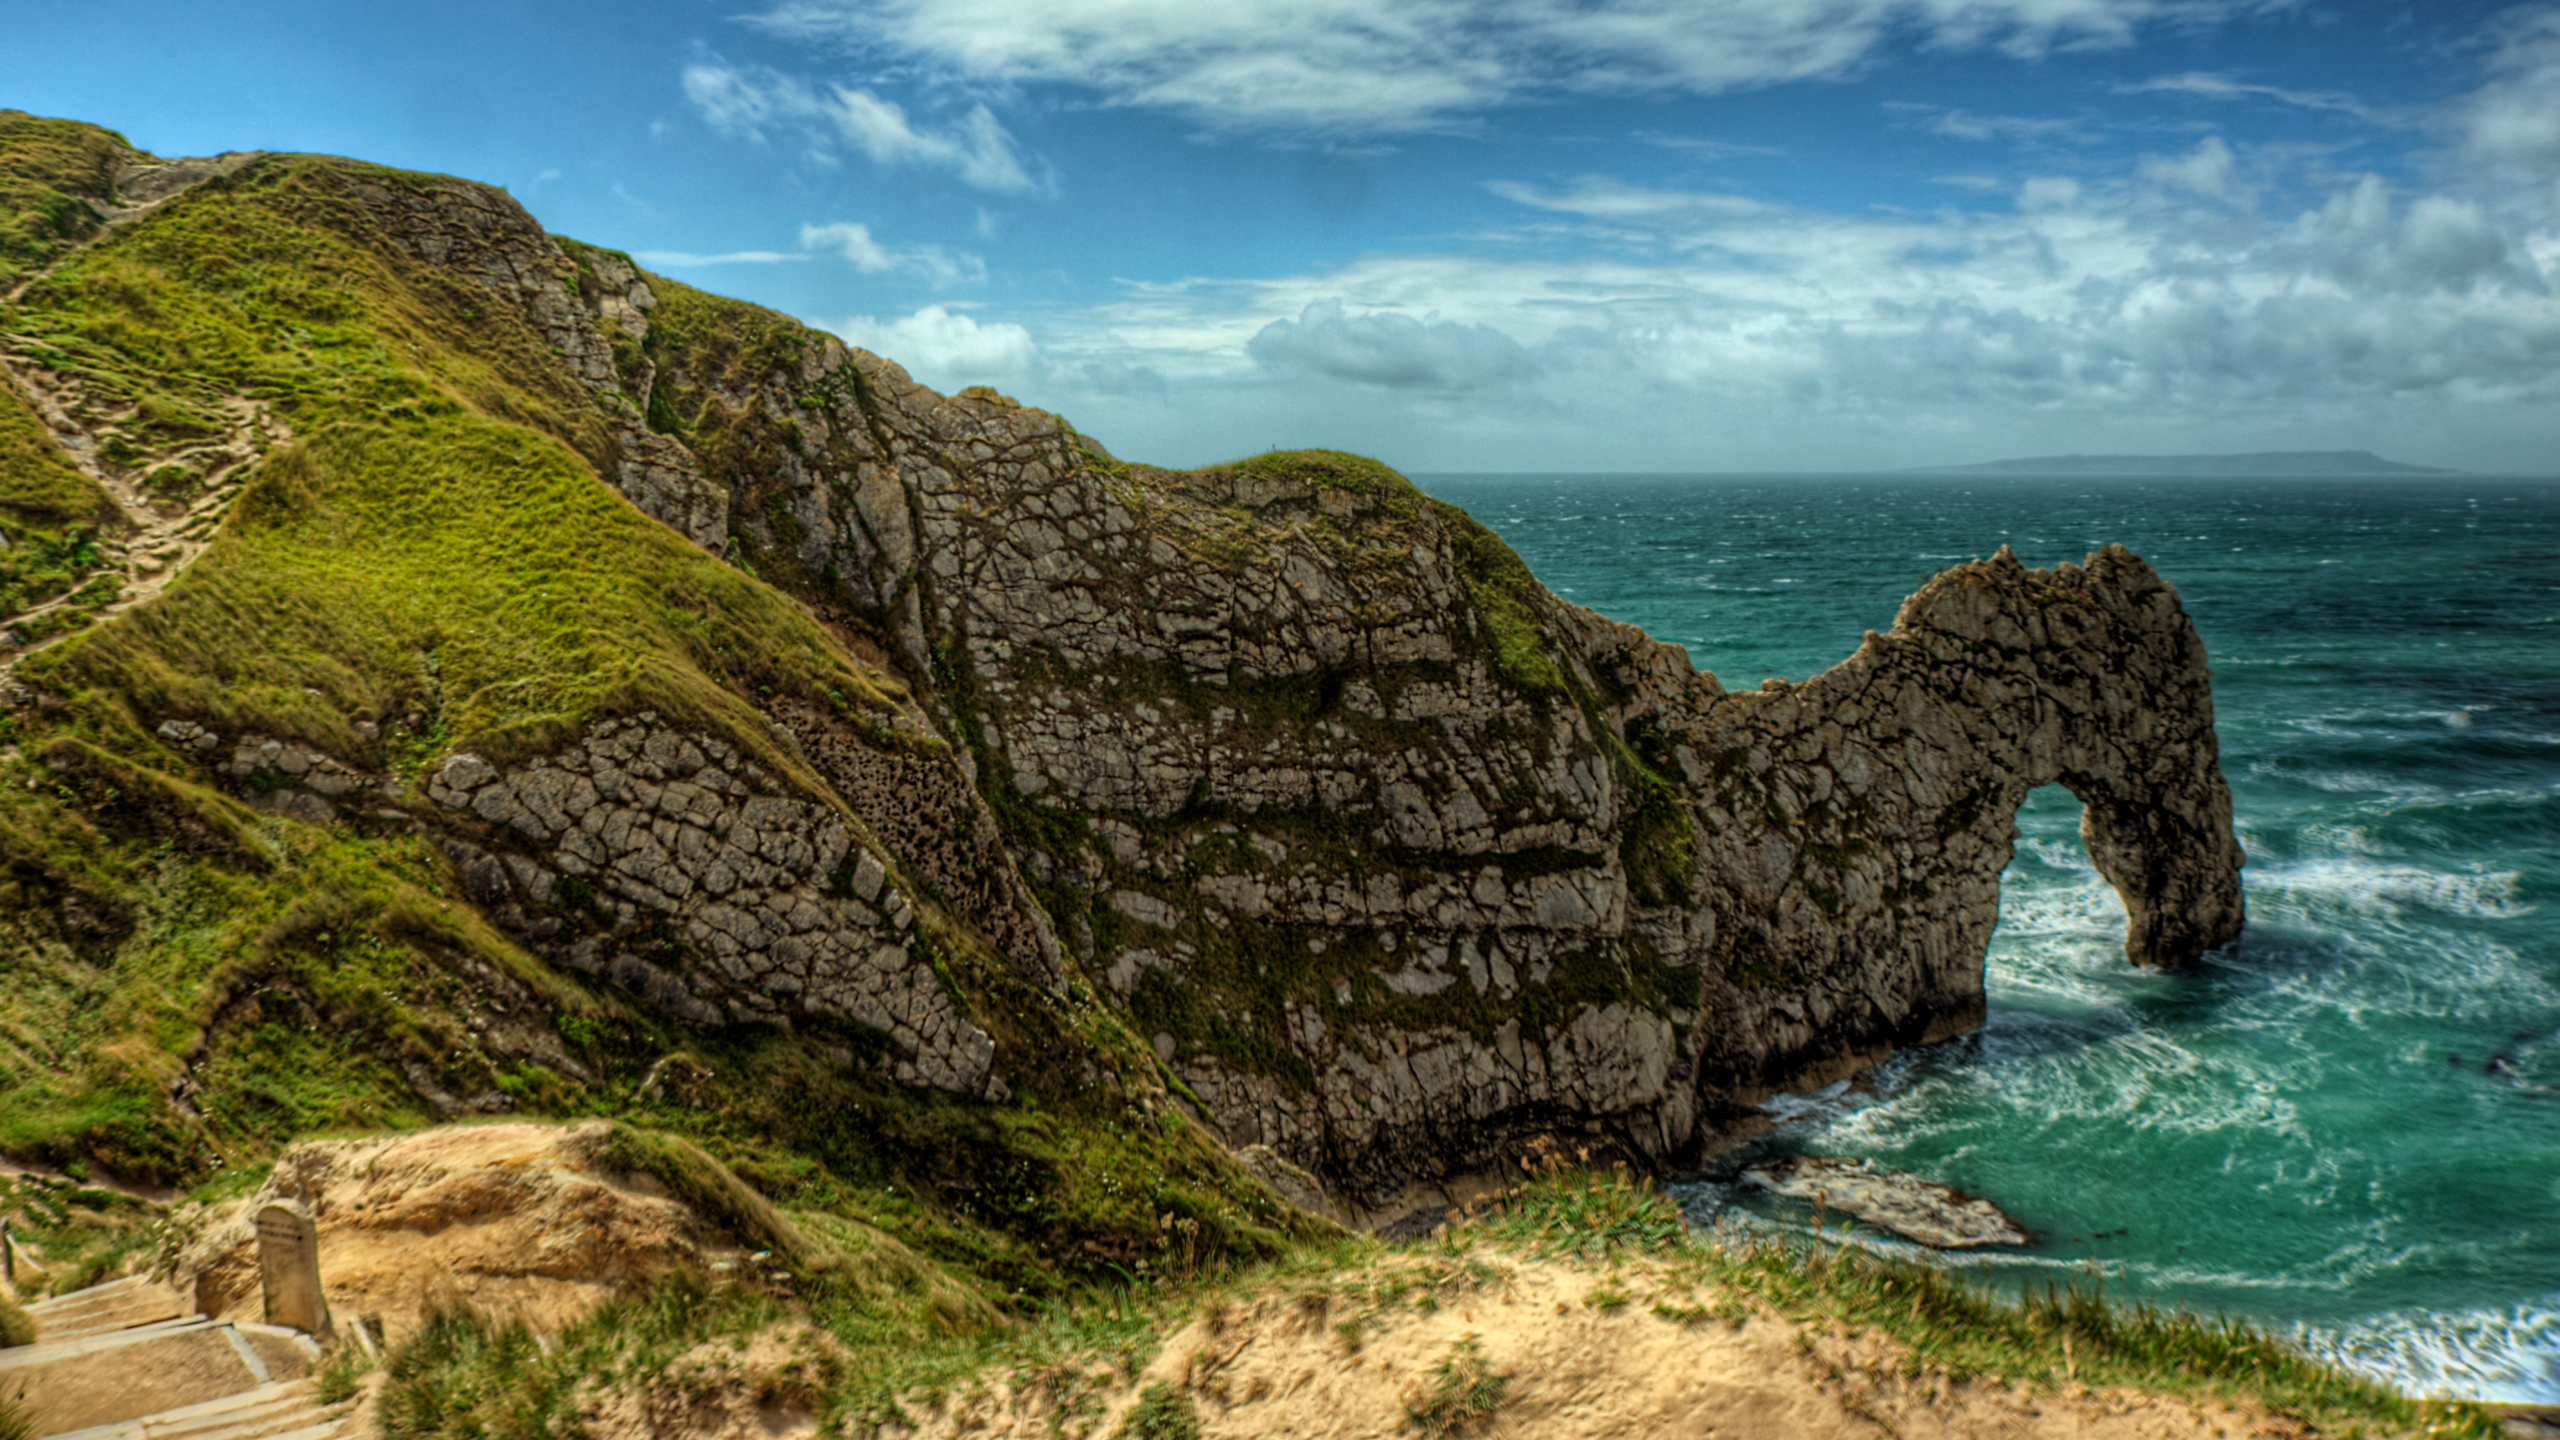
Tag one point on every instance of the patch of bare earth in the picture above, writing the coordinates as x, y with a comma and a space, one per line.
515, 1221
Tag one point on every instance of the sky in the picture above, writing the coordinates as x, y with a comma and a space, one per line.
1504, 235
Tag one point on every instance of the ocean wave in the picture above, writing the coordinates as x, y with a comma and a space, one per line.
2506, 1356
2382, 888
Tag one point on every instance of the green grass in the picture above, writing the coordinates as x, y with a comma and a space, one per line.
55, 175
1162, 1413
51, 515
76, 1232
436, 541
1461, 1395
1333, 470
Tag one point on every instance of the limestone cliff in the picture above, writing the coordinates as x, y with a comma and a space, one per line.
1394, 857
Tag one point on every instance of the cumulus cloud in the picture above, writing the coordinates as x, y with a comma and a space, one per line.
1389, 350
2206, 170
947, 348
1390, 65
751, 102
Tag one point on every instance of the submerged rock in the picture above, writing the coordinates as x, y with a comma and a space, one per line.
1896, 1200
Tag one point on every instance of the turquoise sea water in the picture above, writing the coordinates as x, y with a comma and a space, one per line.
2346, 1125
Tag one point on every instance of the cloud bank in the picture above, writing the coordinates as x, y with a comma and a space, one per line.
2185, 290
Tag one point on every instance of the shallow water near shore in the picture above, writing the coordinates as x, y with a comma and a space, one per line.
2344, 1127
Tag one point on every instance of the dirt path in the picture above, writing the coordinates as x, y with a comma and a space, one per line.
165, 529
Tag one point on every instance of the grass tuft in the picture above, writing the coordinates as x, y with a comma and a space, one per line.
1461, 1394
2065, 1334
1162, 1413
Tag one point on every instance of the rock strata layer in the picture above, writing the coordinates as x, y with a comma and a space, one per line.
651, 835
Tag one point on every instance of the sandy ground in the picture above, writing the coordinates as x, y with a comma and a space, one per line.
1280, 1367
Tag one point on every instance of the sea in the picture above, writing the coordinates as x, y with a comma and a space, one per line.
2344, 1127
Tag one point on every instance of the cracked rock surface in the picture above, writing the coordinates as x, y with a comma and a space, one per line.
654, 832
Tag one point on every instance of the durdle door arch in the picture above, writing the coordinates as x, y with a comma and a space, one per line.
1862, 820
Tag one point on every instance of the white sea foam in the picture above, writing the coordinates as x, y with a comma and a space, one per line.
2380, 888
2510, 1356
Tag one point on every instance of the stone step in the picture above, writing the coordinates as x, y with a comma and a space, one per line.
283, 1411
101, 1309
102, 1380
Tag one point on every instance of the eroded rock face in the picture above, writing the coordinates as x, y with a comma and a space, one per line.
641, 835
1395, 856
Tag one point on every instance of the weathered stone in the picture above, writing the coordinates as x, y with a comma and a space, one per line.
785, 936
1918, 1209
289, 1269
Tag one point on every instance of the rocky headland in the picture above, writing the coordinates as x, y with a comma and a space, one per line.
1391, 858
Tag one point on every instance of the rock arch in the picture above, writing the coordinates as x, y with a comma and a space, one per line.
1853, 828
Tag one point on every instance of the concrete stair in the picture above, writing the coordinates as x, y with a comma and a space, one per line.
126, 1359
102, 1309
288, 1410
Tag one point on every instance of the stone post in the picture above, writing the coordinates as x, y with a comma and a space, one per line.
289, 1269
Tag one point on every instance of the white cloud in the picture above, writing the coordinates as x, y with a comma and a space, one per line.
1390, 350
2223, 87
855, 243
749, 102
1602, 197
2177, 301
685, 260
2205, 170
948, 349
1966, 125
1389, 65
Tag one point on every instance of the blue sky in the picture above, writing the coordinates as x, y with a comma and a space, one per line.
1505, 234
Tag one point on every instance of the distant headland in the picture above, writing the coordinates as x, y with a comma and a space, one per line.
2262, 462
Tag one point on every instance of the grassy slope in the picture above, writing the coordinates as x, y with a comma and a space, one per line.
193, 983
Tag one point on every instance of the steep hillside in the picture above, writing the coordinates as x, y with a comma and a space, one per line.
506, 681
233, 910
